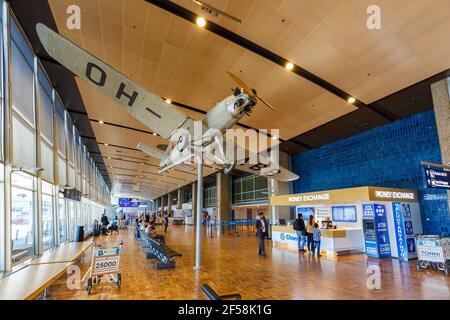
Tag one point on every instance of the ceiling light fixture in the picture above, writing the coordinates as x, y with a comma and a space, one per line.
101, 122
105, 144
200, 21
168, 101
155, 134
274, 138
289, 66
351, 100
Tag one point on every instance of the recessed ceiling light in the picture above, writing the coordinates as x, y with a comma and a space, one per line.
105, 144
155, 134
168, 101
289, 66
101, 122
351, 100
201, 22
109, 158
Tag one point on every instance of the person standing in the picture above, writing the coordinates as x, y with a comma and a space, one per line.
105, 222
299, 227
166, 222
309, 232
261, 229
316, 240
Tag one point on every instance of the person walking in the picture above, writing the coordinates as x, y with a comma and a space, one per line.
309, 232
261, 229
299, 227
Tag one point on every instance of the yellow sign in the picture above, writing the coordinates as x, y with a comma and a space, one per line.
346, 195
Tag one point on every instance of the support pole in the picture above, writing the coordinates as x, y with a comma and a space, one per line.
199, 210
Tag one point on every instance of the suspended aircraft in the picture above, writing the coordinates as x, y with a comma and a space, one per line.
184, 142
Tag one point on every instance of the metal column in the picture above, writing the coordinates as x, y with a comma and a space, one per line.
199, 210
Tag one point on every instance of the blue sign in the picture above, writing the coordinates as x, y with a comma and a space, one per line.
409, 228
399, 230
368, 211
129, 203
411, 246
376, 231
436, 177
384, 246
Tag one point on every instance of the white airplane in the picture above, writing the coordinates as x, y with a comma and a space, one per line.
164, 119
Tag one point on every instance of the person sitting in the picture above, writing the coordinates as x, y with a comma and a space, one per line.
96, 228
152, 232
114, 226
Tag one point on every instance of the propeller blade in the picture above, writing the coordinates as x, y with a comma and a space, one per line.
251, 92
243, 85
266, 103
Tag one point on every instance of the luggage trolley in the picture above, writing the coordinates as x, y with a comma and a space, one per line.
104, 261
433, 251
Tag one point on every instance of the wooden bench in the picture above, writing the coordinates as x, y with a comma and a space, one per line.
212, 295
27, 283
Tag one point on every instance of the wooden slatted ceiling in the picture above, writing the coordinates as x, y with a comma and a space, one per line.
176, 59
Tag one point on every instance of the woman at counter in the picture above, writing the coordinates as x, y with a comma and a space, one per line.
309, 232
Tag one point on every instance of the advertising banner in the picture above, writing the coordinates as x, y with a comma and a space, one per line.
384, 246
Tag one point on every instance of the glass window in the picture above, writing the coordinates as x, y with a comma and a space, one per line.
22, 75
47, 215
22, 217
62, 219
69, 139
24, 143
71, 176
47, 161
62, 171
61, 127
46, 108
72, 219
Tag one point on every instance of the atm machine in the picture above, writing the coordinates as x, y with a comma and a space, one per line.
376, 235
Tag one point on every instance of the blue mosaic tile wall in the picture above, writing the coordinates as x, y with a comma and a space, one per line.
386, 156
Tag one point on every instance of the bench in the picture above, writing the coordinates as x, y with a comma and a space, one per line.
27, 283
212, 295
166, 256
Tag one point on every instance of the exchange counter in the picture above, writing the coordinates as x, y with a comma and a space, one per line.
339, 241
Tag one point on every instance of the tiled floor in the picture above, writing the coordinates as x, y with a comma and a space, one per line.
231, 265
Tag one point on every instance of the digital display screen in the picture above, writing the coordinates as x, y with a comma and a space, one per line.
72, 194
344, 213
305, 211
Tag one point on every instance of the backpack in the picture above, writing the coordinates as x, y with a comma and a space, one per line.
296, 226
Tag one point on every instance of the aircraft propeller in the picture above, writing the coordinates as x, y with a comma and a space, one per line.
250, 91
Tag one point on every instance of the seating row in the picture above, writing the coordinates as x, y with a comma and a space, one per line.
156, 248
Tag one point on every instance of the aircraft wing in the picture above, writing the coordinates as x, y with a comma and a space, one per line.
148, 108
264, 166
280, 174
244, 161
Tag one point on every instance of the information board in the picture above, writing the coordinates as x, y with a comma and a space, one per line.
436, 177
